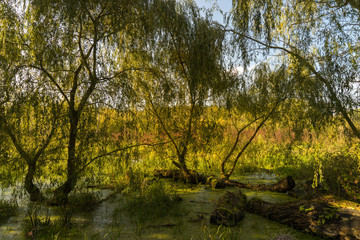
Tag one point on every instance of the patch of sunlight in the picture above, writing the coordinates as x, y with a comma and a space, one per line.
158, 236
258, 178
272, 197
7, 232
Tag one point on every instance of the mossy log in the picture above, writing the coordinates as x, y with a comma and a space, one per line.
230, 209
192, 177
311, 215
281, 186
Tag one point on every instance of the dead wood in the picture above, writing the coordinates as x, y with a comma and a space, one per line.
284, 185
311, 215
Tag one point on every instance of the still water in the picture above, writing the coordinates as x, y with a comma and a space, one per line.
192, 222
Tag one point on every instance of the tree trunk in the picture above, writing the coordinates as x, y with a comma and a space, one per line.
230, 209
30, 187
193, 177
313, 216
281, 186
61, 193
183, 166
224, 176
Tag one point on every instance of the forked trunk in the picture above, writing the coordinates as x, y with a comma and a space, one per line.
62, 192
224, 176
30, 187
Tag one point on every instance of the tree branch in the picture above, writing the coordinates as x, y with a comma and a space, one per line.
306, 63
118, 150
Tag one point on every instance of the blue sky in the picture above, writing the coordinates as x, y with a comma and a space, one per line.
224, 5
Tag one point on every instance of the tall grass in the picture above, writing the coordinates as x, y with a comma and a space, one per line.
153, 201
7, 210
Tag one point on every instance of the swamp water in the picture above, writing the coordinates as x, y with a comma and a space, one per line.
109, 220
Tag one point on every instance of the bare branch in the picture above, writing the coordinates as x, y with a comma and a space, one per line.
118, 150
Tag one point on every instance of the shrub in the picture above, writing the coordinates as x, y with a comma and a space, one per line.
7, 210
154, 201
341, 175
84, 201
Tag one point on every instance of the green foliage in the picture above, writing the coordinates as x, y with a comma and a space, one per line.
39, 226
328, 215
320, 53
220, 232
341, 174
83, 201
154, 201
7, 210
305, 209
106, 92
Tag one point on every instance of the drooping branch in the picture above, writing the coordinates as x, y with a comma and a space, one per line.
52, 80
119, 150
339, 106
163, 126
9, 131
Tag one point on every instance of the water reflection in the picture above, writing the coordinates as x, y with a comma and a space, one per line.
197, 201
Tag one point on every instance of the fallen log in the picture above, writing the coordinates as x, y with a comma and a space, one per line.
281, 186
311, 215
284, 185
193, 177
230, 209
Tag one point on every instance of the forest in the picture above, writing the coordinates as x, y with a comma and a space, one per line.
150, 119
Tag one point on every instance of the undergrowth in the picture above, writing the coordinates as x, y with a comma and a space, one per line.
84, 201
152, 201
7, 210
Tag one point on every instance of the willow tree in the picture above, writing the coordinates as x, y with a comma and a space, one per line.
263, 92
186, 71
317, 40
76, 49
28, 116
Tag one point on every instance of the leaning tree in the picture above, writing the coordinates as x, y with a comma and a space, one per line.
75, 52
28, 114
258, 99
317, 40
186, 71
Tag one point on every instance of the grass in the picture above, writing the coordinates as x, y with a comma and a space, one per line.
39, 224
84, 201
7, 210
153, 201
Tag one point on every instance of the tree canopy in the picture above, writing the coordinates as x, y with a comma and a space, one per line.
317, 41
84, 80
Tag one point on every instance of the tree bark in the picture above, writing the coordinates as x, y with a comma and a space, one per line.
182, 164
312, 216
30, 187
62, 192
281, 186
193, 177
230, 209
